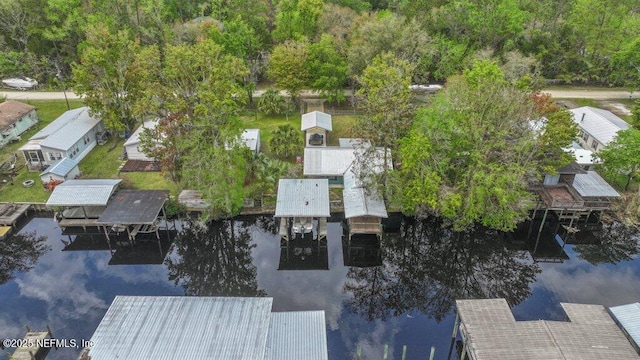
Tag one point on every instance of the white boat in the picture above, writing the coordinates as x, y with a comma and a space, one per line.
20, 83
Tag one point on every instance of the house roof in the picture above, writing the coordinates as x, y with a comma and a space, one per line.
327, 161
297, 335
251, 137
57, 124
593, 185
12, 111
353, 143
83, 192
61, 167
303, 198
628, 316
134, 139
75, 128
603, 125
134, 207
183, 327
335, 161
316, 119
491, 332
359, 201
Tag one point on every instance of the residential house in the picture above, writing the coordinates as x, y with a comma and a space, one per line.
74, 134
132, 145
15, 119
583, 157
597, 127
316, 126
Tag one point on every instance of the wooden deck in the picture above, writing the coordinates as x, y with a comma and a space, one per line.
33, 352
10, 213
365, 225
83, 223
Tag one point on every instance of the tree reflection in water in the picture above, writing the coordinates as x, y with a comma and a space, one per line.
19, 253
427, 267
214, 260
616, 242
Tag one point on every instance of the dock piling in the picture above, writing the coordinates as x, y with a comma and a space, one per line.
433, 353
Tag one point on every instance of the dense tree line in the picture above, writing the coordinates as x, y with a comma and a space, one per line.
194, 64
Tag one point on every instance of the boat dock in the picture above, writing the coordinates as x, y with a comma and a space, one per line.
10, 213
489, 331
33, 352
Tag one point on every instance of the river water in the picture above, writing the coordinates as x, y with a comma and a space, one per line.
399, 292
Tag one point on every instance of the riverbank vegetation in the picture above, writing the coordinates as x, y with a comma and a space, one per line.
195, 65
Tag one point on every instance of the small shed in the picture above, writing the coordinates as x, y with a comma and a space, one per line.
15, 118
132, 145
251, 138
299, 202
60, 171
316, 126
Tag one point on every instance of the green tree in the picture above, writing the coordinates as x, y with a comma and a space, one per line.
271, 102
288, 66
622, 155
384, 95
328, 69
468, 156
199, 90
113, 73
285, 141
297, 19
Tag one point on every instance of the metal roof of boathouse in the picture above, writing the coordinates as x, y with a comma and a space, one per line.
303, 198
490, 331
359, 201
628, 316
297, 335
593, 185
134, 207
94, 192
185, 327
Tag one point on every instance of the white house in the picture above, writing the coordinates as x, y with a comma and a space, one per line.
598, 127
71, 135
15, 119
132, 145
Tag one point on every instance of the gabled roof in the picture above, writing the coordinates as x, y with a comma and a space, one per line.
73, 126
354, 143
61, 167
12, 111
303, 198
58, 123
603, 125
593, 185
629, 318
134, 139
316, 119
572, 168
359, 201
83, 192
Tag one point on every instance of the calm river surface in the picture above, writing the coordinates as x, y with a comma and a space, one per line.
407, 300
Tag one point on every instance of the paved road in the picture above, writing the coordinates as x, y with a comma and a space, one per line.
558, 94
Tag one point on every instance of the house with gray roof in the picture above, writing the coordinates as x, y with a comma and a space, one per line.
15, 119
74, 134
597, 127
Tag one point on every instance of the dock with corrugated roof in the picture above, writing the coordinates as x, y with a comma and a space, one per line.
628, 316
490, 332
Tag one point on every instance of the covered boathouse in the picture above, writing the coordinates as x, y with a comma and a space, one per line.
81, 202
199, 327
299, 204
489, 331
364, 208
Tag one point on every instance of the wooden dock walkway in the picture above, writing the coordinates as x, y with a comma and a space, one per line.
34, 351
10, 213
